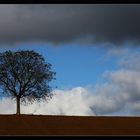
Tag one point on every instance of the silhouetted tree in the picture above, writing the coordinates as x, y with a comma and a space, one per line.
24, 76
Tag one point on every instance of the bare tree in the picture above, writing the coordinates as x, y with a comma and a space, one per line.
24, 76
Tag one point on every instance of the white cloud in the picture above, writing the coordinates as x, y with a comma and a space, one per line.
119, 51
131, 61
65, 102
77, 101
7, 106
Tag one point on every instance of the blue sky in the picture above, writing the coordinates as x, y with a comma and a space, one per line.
74, 64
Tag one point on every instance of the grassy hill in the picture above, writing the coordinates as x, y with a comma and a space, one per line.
68, 125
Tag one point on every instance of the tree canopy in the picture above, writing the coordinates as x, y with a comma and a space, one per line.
25, 76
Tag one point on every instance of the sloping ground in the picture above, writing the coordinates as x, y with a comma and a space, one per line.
67, 125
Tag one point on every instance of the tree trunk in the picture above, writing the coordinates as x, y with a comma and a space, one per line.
18, 106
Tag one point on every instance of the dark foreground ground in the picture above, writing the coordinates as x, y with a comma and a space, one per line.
67, 125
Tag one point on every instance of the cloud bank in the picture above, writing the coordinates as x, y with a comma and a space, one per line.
75, 102
66, 23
